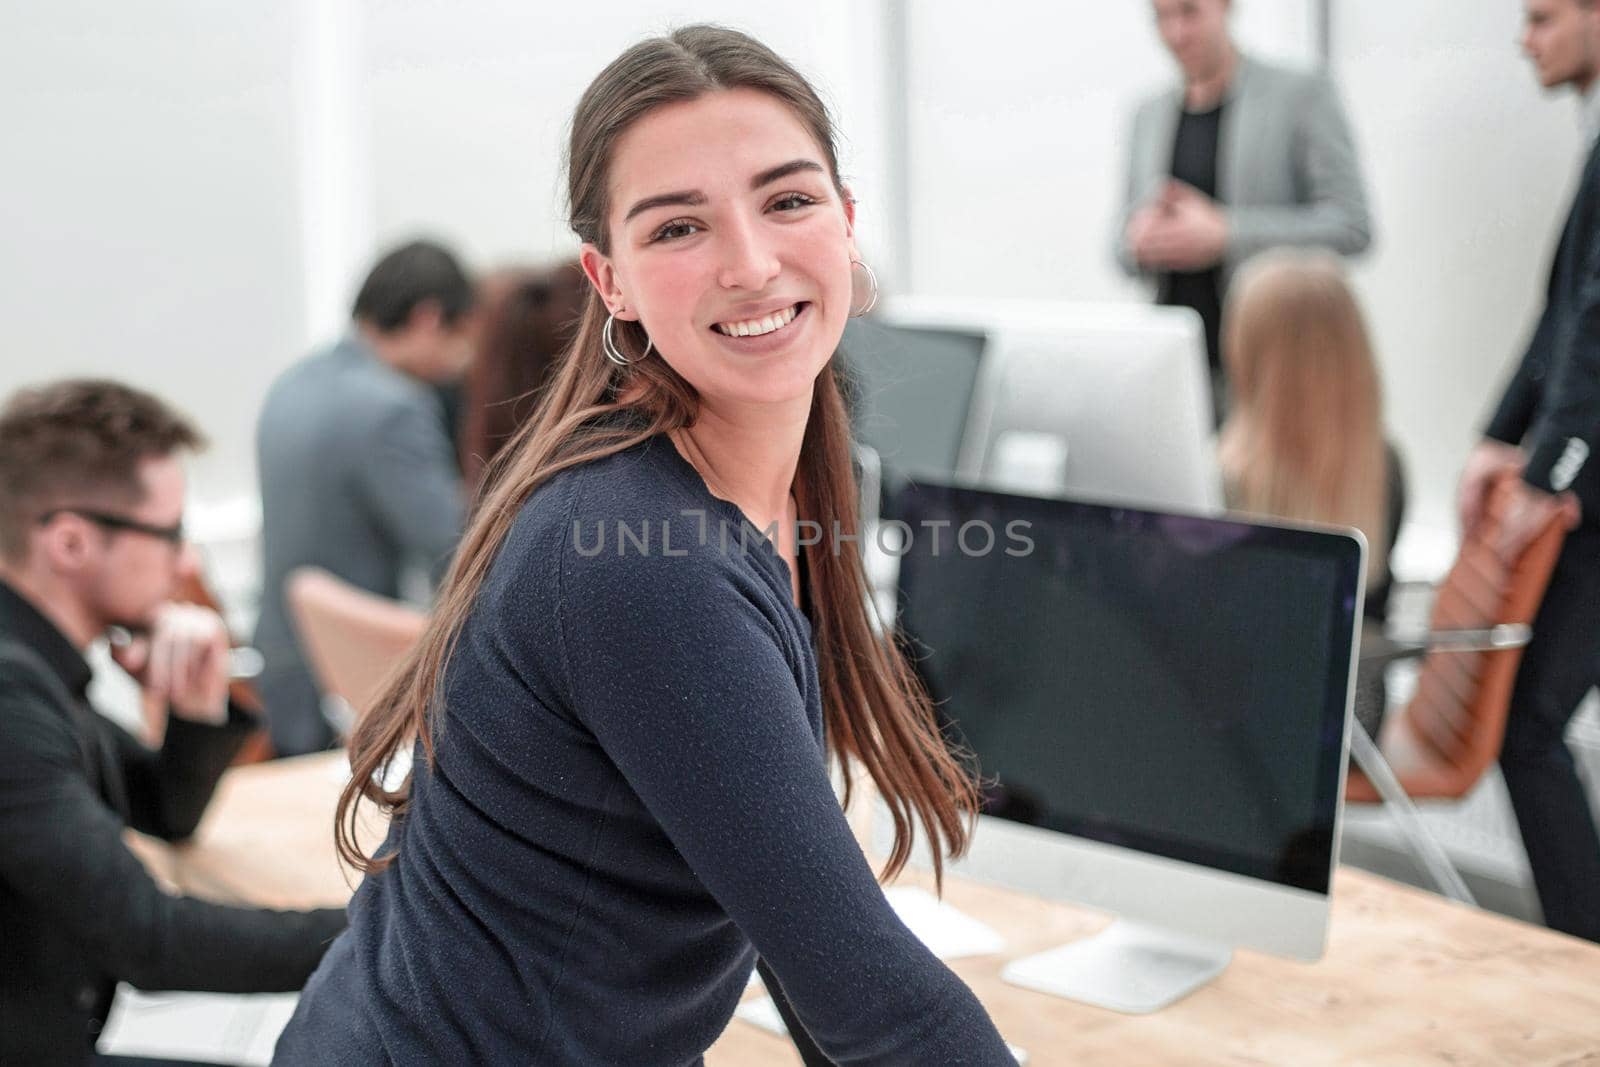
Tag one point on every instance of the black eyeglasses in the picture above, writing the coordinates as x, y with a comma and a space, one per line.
105, 520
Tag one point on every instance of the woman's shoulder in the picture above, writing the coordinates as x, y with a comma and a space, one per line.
641, 513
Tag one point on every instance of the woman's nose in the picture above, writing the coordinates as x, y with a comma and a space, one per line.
748, 261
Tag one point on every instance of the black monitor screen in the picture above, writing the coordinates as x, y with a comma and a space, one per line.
1172, 684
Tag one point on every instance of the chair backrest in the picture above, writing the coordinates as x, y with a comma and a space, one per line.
1441, 743
352, 638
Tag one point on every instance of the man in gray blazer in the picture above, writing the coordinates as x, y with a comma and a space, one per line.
358, 475
1243, 156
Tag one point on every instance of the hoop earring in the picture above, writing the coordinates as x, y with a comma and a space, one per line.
872, 300
613, 353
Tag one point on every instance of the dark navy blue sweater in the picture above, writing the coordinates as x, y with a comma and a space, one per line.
630, 800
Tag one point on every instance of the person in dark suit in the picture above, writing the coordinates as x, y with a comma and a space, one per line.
1547, 425
91, 497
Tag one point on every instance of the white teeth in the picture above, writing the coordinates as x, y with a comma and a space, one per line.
755, 327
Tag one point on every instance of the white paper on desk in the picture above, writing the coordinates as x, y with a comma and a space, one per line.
763, 1012
390, 776
949, 932
207, 1027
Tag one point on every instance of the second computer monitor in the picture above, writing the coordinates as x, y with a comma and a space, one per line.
1101, 402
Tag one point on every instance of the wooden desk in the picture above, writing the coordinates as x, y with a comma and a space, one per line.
1408, 979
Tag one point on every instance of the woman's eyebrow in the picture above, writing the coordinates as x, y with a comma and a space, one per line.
695, 198
686, 198
783, 170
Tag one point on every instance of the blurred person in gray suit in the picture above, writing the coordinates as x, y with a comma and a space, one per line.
1241, 157
358, 475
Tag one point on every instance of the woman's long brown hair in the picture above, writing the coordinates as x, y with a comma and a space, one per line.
876, 712
1305, 437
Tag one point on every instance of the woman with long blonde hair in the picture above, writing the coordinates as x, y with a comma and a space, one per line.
1304, 437
625, 702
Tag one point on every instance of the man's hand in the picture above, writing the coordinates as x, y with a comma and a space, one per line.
1485, 462
182, 662
1530, 511
1140, 226
1183, 230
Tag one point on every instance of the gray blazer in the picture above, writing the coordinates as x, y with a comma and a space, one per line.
1287, 170
357, 477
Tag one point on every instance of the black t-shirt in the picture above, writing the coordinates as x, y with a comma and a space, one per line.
1194, 162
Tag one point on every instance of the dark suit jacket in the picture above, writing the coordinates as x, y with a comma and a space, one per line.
1552, 404
78, 912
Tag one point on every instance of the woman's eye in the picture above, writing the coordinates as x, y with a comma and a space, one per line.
675, 229
792, 201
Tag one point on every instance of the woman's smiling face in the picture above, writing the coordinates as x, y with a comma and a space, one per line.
730, 245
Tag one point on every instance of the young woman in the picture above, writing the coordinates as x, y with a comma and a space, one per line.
1304, 438
628, 694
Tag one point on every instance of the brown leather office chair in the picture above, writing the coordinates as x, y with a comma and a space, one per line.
351, 637
1443, 741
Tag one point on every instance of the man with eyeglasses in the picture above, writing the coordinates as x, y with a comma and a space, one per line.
91, 497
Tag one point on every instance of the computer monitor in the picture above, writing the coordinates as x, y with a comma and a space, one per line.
1098, 401
1158, 704
910, 391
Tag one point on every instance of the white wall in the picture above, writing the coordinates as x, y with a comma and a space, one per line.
1019, 115
469, 117
1470, 168
149, 217
195, 188
1018, 119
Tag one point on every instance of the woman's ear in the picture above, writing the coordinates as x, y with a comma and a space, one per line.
849, 198
603, 276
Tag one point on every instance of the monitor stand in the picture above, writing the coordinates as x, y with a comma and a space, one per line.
1127, 967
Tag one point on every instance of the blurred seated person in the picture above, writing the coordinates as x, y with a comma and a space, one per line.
91, 496
526, 318
358, 475
1304, 438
